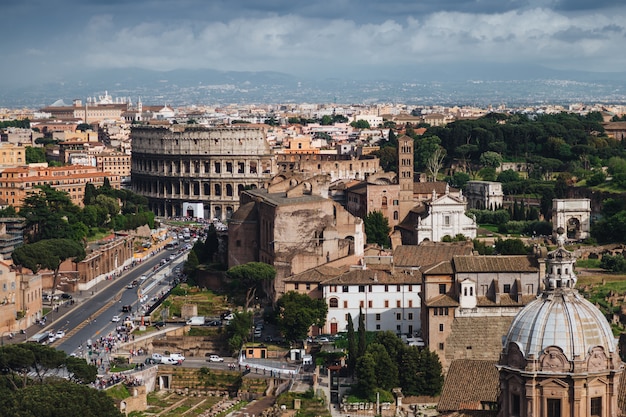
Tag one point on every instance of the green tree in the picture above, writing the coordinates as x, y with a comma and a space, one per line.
362, 337
508, 176
352, 349
425, 149
435, 162
377, 228
191, 265
386, 368
432, 371
366, 375
80, 371
90, 194
490, 159
108, 203
421, 372
251, 280
48, 254
60, 398
326, 120
388, 157
49, 214
360, 124
511, 247
459, 179
238, 330
392, 343
35, 155
298, 312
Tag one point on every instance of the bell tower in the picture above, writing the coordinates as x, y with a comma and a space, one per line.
405, 175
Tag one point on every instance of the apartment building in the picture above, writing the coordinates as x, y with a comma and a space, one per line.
388, 300
17, 182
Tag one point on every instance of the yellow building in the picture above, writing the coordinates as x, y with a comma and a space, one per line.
20, 300
12, 154
117, 163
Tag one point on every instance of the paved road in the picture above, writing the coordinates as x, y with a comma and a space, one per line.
90, 316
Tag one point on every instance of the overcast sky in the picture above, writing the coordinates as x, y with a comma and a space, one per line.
44, 39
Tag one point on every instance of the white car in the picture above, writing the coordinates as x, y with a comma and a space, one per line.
177, 356
143, 277
115, 319
215, 358
166, 360
60, 334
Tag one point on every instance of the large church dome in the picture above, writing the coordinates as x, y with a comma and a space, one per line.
560, 318
559, 356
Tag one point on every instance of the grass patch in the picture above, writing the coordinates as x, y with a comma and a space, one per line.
588, 263
118, 392
310, 406
208, 303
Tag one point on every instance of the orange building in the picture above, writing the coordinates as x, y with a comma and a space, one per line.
16, 183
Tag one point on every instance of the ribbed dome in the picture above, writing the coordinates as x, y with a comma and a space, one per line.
562, 318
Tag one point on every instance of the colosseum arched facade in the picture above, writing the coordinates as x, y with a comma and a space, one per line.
177, 164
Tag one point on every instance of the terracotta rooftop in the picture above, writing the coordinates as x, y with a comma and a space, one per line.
469, 384
441, 268
319, 274
429, 253
495, 263
505, 301
442, 300
367, 277
428, 187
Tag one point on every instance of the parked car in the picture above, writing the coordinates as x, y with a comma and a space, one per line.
115, 319
215, 358
157, 357
66, 296
151, 361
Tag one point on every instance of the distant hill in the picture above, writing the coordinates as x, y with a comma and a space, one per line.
470, 85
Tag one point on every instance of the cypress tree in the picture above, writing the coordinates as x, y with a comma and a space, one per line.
362, 344
352, 351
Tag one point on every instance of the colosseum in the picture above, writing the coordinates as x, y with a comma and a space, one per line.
197, 171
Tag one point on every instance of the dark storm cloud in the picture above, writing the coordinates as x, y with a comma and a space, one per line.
45, 38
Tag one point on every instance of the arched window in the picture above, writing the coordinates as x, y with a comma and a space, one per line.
384, 202
218, 189
395, 215
229, 190
333, 303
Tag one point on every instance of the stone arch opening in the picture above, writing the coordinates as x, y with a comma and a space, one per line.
573, 228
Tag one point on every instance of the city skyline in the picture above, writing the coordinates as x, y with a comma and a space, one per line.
62, 41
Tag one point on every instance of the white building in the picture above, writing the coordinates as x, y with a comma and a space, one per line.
445, 217
388, 301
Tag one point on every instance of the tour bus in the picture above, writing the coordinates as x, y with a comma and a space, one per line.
40, 337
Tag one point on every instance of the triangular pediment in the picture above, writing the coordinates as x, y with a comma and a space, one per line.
553, 382
446, 199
